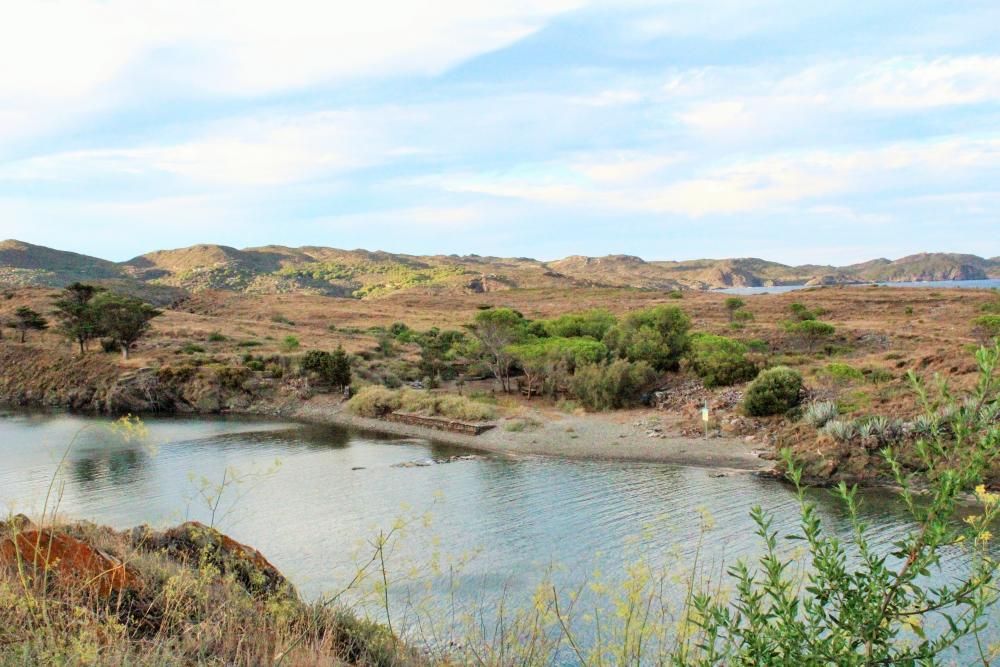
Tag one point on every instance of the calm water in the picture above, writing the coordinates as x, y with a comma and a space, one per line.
314, 514
992, 283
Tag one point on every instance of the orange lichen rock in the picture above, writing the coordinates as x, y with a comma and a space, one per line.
73, 561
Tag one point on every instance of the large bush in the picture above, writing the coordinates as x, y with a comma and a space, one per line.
333, 368
613, 385
774, 392
720, 361
658, 336
593, 323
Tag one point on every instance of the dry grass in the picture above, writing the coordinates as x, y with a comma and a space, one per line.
376, 401
188, 608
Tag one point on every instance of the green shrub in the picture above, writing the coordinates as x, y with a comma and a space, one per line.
801, 313
216, 337
249, 343
593, 323
334, 368
191, 348
878, 375
841, 372
775, 391
613, 385
720, 361
290, 344
658, 336
676, 294
809, 332
987, 326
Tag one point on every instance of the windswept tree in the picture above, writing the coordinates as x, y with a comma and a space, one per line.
733, 304
25, 320
496, 329
123, 319
77, 317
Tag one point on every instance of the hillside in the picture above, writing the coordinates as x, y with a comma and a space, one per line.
164, 275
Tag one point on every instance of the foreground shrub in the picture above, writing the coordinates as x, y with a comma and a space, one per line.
774, 392
836, 608
720, 361
613, 385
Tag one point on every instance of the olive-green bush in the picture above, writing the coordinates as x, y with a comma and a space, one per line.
612, 385
775, 391
720, 361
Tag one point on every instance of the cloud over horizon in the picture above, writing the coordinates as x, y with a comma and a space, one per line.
800, 133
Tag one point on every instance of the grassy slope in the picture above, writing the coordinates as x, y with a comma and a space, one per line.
162, 274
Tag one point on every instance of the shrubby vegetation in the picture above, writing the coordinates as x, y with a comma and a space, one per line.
377, 401
720, 361
659, 336
334, 368
775, 391
987, 327
611, 385
809, 332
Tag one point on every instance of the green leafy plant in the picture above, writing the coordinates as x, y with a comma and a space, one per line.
720, 361
775, 391
658, 336
809, 332
859, 603
611, 385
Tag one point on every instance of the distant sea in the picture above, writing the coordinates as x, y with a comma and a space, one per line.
992, 283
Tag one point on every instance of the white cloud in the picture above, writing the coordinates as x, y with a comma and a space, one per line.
723, 103
64, 57
757, 184
251, 152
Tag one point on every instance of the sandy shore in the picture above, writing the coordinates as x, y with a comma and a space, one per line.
589, 437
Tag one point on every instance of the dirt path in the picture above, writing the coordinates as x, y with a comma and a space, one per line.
590, 437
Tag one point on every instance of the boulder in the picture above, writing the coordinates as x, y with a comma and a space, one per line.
73, 561
195, 542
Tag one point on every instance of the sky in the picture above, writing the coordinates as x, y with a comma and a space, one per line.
829, 132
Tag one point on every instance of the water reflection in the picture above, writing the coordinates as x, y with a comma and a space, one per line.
336, 488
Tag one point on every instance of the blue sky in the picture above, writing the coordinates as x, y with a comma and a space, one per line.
801, 132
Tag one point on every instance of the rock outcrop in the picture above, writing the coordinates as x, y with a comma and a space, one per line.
67, 560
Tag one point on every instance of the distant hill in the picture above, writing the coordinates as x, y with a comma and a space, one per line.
164, 275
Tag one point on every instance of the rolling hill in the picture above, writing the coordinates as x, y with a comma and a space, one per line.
164, 275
